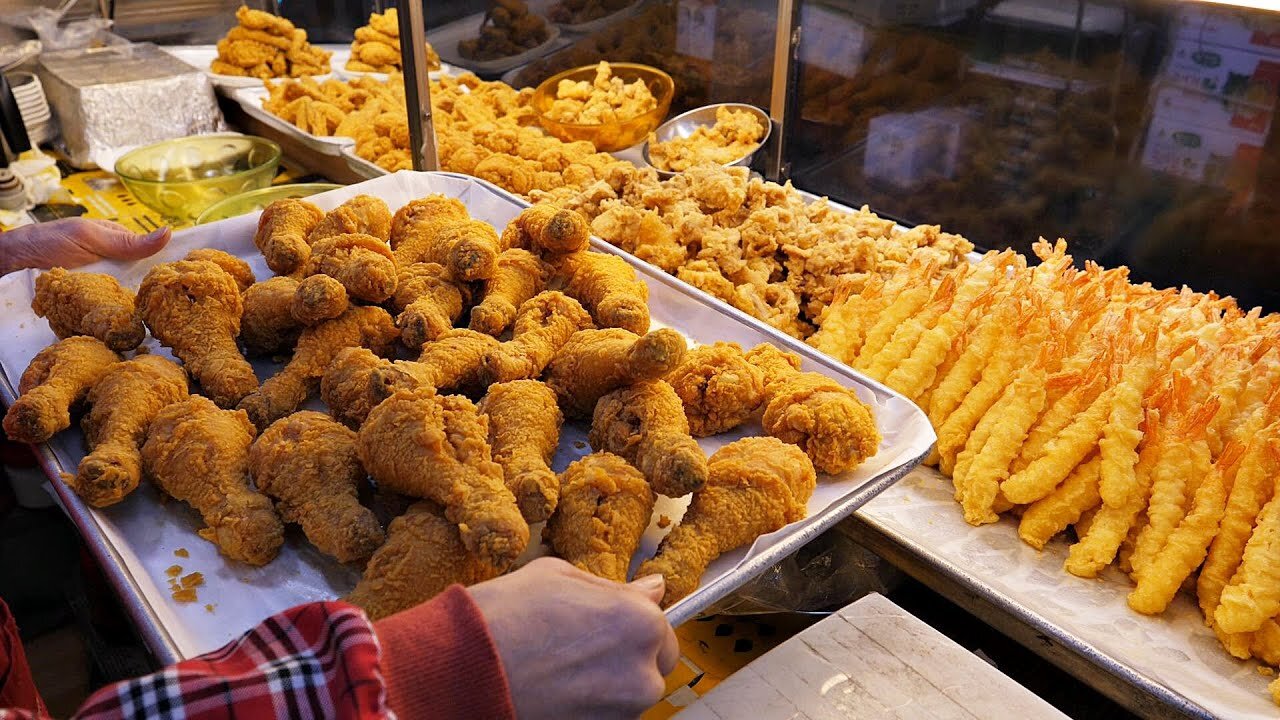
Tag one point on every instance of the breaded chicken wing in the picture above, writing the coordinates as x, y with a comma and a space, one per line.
605, 506
309, 464
429, 303
595, 362
93, 304
122, 404
544, 323
362, 263
283, 231
58, 377
754, 486
436, 447
809, 409
283, 393
232, 265
524, 430
607, 287
423, 555
193, 307
645, 424
318, 298
267, 325
361, 215
199, 454
718, 387
517, 277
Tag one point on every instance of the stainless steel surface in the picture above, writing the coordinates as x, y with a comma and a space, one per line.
1123, 684
417, 87
684, 124
786, 39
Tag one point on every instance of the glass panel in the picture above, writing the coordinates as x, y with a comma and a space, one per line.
1141, 132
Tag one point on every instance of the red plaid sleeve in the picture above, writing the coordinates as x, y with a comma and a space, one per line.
312, 661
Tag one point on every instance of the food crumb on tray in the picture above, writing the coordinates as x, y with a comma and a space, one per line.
664, 521
182, 553
173, 571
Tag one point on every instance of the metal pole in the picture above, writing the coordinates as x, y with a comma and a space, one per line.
785, 41
417, 85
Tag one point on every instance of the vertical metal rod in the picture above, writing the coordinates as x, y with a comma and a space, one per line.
417, 85
785, 40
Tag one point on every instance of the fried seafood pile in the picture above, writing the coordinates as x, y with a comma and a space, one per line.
735, 134
376, 47
508, 29
1146, 421
265, 46
449, 355
604, 100
757, 245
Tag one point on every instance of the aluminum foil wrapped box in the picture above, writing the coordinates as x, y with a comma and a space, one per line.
111, 98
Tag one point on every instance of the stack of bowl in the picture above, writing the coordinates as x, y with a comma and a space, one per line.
36, 115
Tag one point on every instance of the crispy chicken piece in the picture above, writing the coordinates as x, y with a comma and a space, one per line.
439, 230
232, 265
361, 215
247, 54
318, 298
605, 506
543, 324
199, 454
423, 555
436, 447
283, 231
755, 485
524, 430
517, 277
264, 22
122, 404
547, 229
362, 263
193, 307
93, 304
283, 393
607, 287
309, 464
718, 387
645, 424
58, 377
429, 303
808, 409
595, 362
267, 325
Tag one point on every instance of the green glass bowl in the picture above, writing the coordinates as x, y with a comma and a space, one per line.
181, 178
255, 200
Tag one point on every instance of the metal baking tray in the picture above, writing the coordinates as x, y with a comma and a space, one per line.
135, 540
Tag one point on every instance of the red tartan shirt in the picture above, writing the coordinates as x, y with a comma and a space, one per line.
326, 660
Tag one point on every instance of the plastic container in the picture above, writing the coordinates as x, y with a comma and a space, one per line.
609, 137
182, 178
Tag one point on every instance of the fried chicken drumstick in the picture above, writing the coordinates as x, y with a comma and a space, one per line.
518, 275
122, 404
719, 388
605, 506
544, 323
193, 307
423, 555
428, 303
436, 447
199, 453
283, 231
595, 362
754, 486
58, 377
524, 430
309, 464
607, 287
267, 325
93, 304
437, 229
645, 424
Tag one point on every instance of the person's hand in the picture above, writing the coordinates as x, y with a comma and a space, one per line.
72, 242
575, 645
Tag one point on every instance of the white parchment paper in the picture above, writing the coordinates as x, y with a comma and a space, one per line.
144, 532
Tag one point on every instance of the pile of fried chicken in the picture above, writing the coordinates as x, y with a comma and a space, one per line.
262, 45
448, 355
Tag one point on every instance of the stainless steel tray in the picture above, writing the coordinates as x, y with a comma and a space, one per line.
135, 540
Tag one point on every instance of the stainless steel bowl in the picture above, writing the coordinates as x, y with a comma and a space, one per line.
685, 123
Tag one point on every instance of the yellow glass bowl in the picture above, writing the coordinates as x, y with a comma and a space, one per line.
255, 200
181, 178
609, 137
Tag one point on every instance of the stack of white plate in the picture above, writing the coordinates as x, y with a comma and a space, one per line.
36, 115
